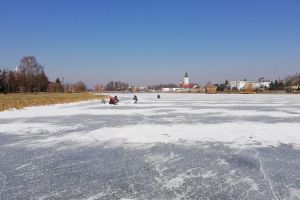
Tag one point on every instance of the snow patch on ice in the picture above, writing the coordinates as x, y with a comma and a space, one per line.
97, 196
222, 161
235, 135
208, 174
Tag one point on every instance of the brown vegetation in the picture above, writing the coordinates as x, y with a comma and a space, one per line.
19, 100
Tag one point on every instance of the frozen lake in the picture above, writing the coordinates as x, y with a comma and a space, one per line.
182, 146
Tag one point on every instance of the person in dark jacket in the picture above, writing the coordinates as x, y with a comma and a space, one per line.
135, 98
158, 96
116, 99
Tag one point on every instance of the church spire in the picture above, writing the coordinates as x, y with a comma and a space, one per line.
186, 80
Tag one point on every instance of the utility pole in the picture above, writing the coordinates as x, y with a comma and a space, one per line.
63, 86
5, 81
0, 78
8, 89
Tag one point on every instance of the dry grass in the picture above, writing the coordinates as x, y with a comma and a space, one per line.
20, 101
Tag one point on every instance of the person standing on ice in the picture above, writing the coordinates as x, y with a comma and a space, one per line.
158, 96
135, 98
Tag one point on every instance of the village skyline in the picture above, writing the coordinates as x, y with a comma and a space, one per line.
30, 76
177, 81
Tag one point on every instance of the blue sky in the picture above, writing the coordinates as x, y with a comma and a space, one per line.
145, 42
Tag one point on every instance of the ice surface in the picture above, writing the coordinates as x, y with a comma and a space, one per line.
191, 146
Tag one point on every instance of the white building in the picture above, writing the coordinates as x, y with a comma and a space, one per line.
166, 89
241, 85
265, 84
171, 89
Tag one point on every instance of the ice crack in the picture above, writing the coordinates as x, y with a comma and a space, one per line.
265, 175
251, 188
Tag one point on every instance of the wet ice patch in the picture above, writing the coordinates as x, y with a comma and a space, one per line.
29, 129
294, 194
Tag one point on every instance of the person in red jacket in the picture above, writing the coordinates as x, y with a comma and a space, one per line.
112, 101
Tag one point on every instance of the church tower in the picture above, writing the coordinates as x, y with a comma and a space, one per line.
186, 80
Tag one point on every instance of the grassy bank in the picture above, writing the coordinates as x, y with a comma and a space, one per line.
20, 101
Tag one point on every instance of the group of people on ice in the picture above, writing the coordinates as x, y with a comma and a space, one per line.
114, 100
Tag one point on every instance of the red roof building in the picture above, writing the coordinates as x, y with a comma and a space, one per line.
186, 82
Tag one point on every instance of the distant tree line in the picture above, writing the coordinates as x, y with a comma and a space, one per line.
29, 76
7, 81
277, 85
293, 80
78, 87
116, 86
56, 86
160, 86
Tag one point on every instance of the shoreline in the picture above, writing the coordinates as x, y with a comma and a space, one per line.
237, 93
20, 100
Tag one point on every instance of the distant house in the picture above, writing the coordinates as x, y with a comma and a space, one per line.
294, 89
238, 85
171, 89
198, 89
211, 89
242, 85
166, 89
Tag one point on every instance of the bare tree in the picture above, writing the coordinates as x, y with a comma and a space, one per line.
98, 88
79, 87
116, 86
30, 73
